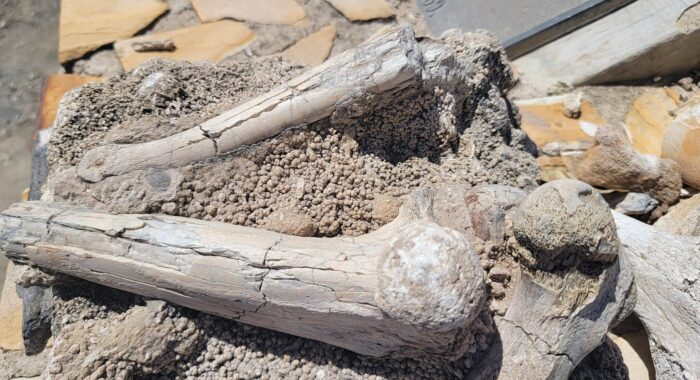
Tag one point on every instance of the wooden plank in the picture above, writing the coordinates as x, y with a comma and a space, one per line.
206, 42
86, 25
642, 40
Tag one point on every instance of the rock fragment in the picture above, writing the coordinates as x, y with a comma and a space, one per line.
313, 49
283, 12
636, 204
648, 118
681, 142
10, 313
86, 25
362, 10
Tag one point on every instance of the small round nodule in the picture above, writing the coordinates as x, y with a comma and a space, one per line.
430, 277
566, 217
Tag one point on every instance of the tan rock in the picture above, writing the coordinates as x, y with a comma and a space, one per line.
543, 121
284, 12
683, 218
681, 142
86, 25
206, 42
362, 10
313, 49
613, 164
10, 314
647, 119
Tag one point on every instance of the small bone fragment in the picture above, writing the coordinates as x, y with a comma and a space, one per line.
363, 293
154, 45
206, 42
572, 106
613, 164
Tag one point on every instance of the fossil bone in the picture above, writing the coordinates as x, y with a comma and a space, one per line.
386, 65
667, 275
409, 286
573, 287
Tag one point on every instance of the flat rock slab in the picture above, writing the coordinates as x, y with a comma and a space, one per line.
207, 42
648, 118
283, 12
362, 10
313, 49
544, 123
86, 25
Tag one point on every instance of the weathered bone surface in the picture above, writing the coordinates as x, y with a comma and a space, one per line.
667, 276
574, 286
388, 64
411, 286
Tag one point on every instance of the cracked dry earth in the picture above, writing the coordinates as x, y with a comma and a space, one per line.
326, 179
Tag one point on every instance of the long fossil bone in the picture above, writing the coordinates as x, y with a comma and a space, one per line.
386, 65
409, 286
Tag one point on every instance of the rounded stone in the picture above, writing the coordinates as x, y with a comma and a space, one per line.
566, 217
430, 277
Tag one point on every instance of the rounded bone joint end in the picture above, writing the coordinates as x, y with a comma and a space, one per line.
563, 219
430, 277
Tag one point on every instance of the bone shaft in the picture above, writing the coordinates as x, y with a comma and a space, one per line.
316, 288
379, 66
666, 270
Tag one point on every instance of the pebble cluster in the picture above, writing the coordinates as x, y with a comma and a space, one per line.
331, 179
